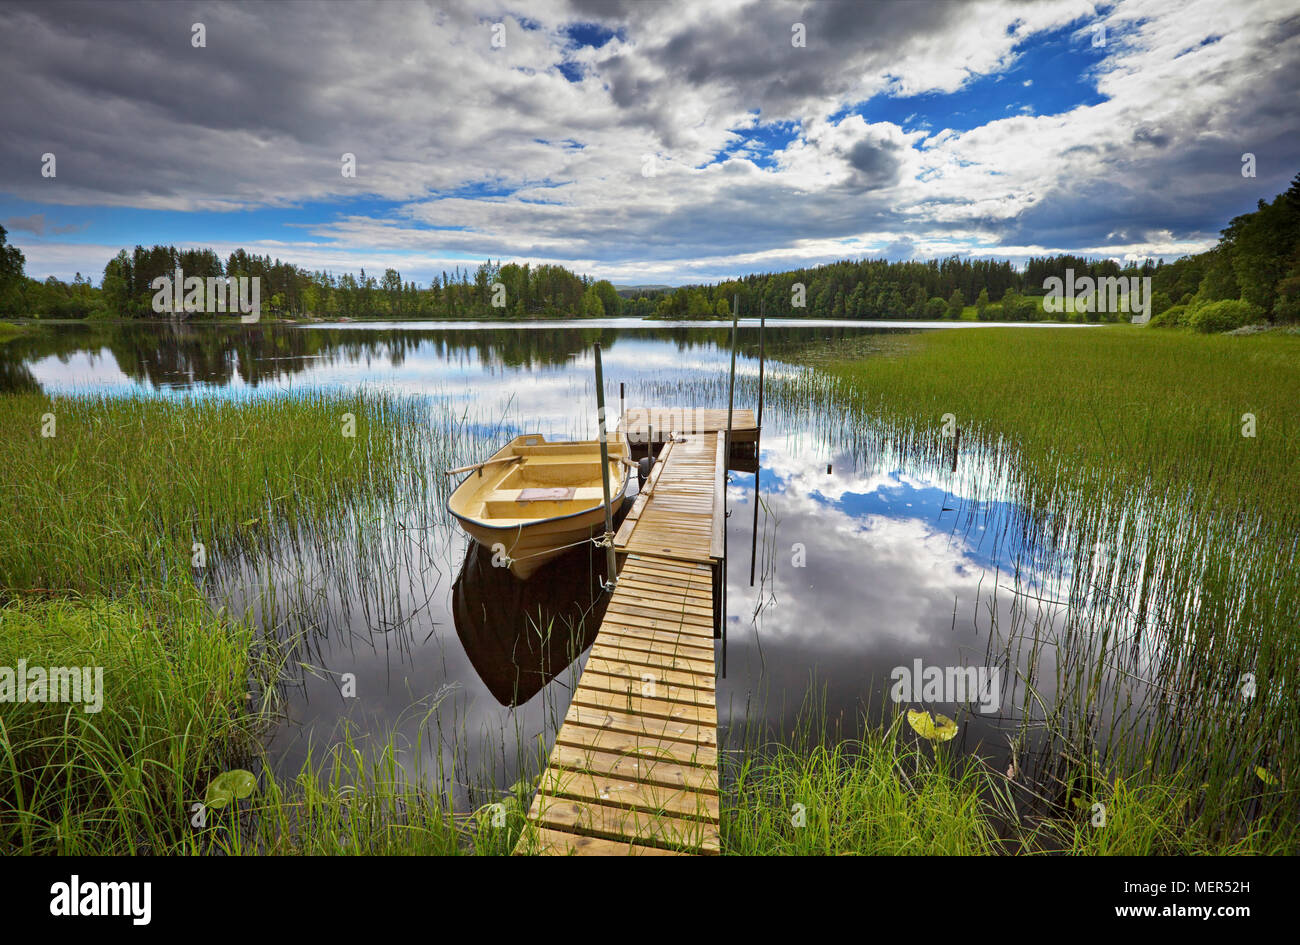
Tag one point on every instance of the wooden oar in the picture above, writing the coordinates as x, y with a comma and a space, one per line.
486, 462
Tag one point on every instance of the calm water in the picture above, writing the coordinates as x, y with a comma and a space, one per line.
868, 559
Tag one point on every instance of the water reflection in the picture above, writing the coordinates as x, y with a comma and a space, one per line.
519, 635
889, 558
165, 356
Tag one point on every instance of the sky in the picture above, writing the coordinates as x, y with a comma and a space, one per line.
639, 141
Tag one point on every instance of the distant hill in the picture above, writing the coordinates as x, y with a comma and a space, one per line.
632, 291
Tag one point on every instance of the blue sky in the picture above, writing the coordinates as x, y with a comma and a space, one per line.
644, 143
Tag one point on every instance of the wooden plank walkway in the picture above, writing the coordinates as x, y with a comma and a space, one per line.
634, 769
638, 422
679, 514
635, 763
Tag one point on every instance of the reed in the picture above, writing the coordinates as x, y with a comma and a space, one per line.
874, 796
105, 493
174, 711
1174, 659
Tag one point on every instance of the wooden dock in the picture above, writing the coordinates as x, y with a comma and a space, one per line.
634, 769
653, 425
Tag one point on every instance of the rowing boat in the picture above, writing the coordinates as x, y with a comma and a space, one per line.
533, 499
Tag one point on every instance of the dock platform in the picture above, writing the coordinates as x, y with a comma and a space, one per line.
634, 769
652, 426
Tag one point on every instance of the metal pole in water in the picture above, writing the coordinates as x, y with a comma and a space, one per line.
758, 453
610, 563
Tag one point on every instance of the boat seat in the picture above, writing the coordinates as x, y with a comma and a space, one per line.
586, 496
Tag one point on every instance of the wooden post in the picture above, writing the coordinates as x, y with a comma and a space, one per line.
726, 461
956, 442
758, 453
610, 562
731, 386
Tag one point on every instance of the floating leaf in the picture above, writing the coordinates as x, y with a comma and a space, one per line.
229, 786
1264, 775
939, 729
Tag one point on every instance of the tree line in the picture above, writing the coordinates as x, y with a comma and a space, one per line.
1256, 263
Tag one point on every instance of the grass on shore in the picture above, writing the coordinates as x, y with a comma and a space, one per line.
1126, 449
892, 795
172, 713
96, 548
1117, 404
102, 493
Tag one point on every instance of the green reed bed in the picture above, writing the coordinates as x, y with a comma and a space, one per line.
175, 712
172, 713
104, 492
893, 794
97, 569
1176, 664
877, 796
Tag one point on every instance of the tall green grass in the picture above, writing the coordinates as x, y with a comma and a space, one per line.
102, 493
877, 796
174, 712
96, 549
1177, 661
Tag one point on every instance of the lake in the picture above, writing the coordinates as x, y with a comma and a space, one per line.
872, 560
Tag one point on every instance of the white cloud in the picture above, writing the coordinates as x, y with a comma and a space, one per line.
438, 118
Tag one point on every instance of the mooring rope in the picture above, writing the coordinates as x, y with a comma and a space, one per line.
602, 542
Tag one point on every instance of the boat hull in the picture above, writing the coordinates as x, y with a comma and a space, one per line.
528, 547
534, 500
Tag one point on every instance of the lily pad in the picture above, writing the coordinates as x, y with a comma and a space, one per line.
229, 786
1264, 775
937, 729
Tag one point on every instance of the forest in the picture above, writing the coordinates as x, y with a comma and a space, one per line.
1254, 269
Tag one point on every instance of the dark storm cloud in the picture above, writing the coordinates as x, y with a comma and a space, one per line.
138, 117
877, 163
1183, 176
747, 56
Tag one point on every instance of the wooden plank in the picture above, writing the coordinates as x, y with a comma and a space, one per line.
690, 630
625, 669
644, 706
633, 795
645, 767
546, 842
688, 420
661, 613
650, 653
652, 731
650, 828
682, 744
694, 645
648, 685
604, 650
659, 588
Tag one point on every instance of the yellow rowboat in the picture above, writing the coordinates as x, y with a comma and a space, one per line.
532, 500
